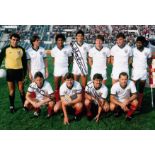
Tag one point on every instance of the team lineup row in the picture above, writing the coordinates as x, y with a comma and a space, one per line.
123, 91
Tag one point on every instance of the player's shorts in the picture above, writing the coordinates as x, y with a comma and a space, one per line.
14, 75
116, 72
59, 71
139, 75
34, 71
76, 70
102, 72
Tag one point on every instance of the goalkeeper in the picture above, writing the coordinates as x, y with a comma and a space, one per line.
71, 97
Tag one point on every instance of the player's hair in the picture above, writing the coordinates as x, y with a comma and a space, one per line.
60, 35
141, 39
80, 32
97, 76
101, 37
123, 74
34, 38
69, 76
38, 74
120, 35
15, 35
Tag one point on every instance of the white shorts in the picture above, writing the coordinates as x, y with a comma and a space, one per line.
139, 75
59, 71
99, 71
116, 72
34, 71
76, 70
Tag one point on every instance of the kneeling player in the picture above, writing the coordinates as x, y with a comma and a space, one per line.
124, 96
40, 93
96, 94
71, 96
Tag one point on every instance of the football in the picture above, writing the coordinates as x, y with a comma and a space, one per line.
2, 73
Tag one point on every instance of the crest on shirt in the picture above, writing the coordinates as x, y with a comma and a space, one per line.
126, 51
85, 49
19, 53
41, 53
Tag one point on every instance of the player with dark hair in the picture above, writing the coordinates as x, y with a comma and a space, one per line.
141, 60
99, 56
40, 93
71, 96
121, 56
124, 96
95, 97
16, 68
37, 59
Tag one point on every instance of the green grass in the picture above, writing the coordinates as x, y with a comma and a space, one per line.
24, 121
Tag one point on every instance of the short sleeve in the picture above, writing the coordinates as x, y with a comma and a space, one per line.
108, 53
49, 89
149, 53
27, 55
90, 53
53, 53
130, 52
113, 90
31, 88
133, 88
62, 91
112, 51
44, 54
105, 93
79, 88
69, 51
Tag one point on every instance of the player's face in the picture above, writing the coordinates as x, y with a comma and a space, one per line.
14, 42
123, 81
139, 44
79, 38
60, 42
120, 41
99, 43
39, 81
69, 83
36, 43
97, 83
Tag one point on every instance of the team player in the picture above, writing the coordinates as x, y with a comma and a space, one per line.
95, 97
62, 55
37, 59
16, 68
84, 49
71, 96
124, 96
141, 60
40, 93
121, 56
99, 56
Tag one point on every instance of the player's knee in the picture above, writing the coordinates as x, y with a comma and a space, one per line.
56, 108
87, 102
106, 107
112, 107
135, 103
51, 104
12, 92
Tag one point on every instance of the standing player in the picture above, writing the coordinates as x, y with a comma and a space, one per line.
40, 93
83, 48
121, 55
99, 56
141, 60
95, 97
62, 55
124, 95
16, 68
37, 60
71, 96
